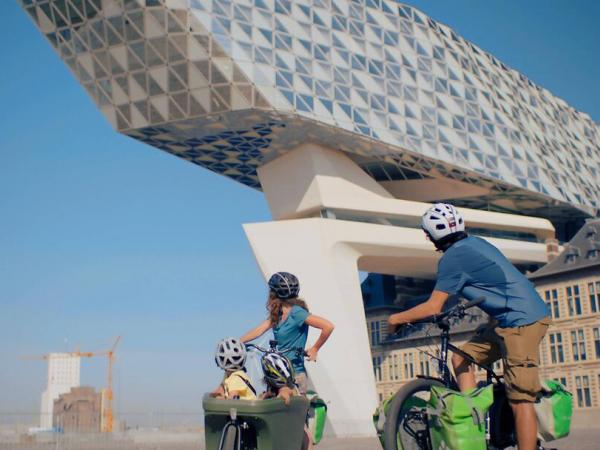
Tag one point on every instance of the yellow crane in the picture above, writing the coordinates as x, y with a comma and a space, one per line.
107, 410
107, 420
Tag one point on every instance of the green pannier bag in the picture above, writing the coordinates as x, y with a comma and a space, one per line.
553, 409
380, 414
317, 413
457, 420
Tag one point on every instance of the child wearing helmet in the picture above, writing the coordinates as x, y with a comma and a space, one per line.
279, 376
230, 356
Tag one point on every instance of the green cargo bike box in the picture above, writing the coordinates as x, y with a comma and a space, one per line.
277, 426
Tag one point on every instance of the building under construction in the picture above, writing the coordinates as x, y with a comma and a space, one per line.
79, 410
63, 389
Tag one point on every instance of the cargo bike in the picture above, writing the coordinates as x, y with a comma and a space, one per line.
267, 424
429, 413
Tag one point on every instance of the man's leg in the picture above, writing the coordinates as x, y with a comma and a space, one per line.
465, 374
525, 424
521, 376
484, 349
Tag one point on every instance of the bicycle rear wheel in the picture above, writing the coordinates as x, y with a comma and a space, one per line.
406, 422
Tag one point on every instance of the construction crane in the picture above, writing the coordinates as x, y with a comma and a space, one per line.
107, 410
107, 420
69, 354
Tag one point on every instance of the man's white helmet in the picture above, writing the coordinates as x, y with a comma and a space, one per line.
441, 220
230, 354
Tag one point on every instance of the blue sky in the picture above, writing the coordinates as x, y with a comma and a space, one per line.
101, 235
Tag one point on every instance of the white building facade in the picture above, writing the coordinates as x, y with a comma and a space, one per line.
63, 374
350, 116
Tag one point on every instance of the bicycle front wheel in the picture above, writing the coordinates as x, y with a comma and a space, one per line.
229, 438
406, 421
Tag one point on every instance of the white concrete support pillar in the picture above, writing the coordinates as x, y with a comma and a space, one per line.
326, 255
330, 284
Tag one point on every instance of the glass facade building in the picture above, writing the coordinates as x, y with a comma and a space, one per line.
230, 84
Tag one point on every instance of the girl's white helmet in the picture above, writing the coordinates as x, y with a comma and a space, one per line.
441, 220
230, 354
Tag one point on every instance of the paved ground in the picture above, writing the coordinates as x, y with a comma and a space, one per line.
583, 439
580, 440
588, 439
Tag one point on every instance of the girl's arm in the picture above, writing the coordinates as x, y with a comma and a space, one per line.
326, 328
256, 332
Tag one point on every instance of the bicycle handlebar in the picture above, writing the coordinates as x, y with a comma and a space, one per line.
473, 302
299, 350
455, 311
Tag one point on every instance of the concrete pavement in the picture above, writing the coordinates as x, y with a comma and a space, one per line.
580, 439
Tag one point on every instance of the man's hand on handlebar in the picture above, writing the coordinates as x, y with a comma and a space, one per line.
421, 314
431, 307
394, 323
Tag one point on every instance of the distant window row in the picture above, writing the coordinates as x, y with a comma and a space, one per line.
402, 366
375, 332
578, 345
407, 366
573, 296
584, 395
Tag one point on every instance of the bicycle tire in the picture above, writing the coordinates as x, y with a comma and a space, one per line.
395, 435
229, 438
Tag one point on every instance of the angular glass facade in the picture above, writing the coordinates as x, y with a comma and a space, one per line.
228, 84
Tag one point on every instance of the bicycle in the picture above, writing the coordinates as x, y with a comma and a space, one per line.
406, 425
240, 431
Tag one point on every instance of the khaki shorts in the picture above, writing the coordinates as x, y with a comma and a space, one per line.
519, 349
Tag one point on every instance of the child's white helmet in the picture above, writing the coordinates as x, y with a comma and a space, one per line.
441, 220
278, 370
230, 354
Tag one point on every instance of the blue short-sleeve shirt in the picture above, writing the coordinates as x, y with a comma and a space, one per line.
292, 333
472, 268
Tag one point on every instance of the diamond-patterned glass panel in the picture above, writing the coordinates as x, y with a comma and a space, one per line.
226, 83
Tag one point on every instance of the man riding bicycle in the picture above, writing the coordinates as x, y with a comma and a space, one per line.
472, 267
